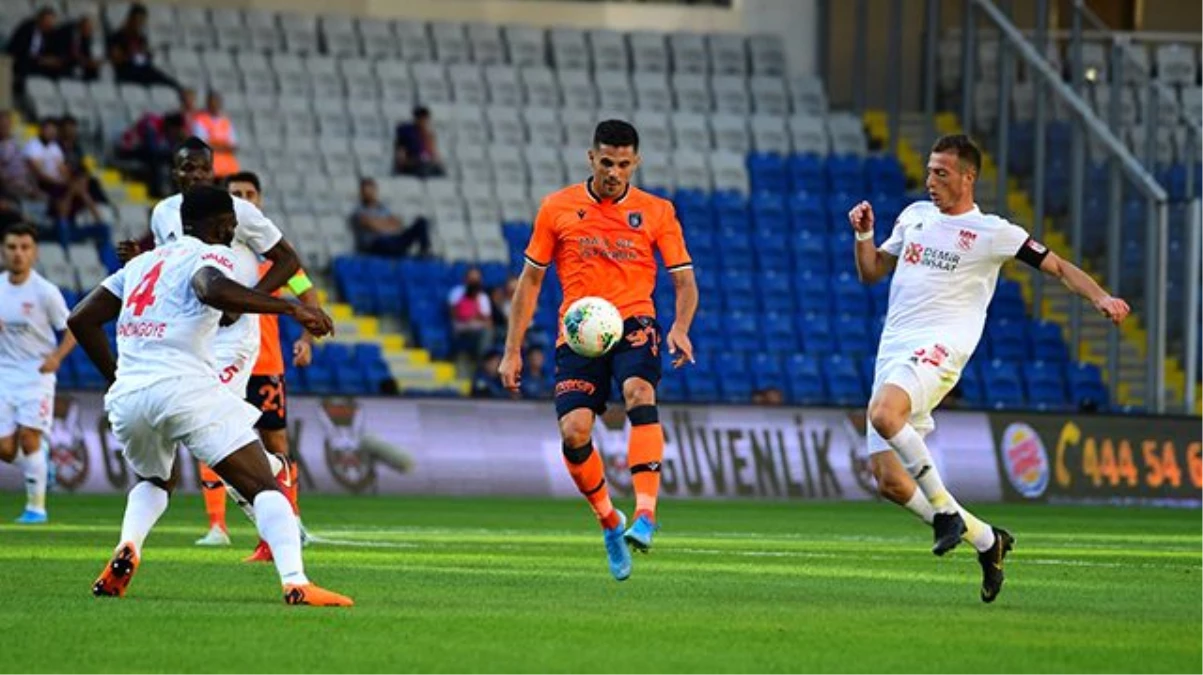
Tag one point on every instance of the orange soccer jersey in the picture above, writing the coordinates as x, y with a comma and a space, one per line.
271, 357
606, 248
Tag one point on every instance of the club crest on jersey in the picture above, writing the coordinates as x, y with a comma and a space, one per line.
966, 239
635, 219
914, 252
27, 308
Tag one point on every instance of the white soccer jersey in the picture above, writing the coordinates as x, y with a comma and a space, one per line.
30, 312
164, 332
946, 273
254, 236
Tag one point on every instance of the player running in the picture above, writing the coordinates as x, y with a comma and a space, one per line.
237, 345
266, 388
602, 235
168, 304
31, 310
950, 256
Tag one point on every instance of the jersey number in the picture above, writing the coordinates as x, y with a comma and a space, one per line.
143, 295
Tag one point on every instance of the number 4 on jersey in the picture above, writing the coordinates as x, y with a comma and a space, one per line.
143, 295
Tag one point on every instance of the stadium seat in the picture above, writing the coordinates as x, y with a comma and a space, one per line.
804, 380
843, 381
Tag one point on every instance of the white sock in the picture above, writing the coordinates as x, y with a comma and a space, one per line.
143, 508
276, 467
978, 533
917, 459
278, 527
34, 467
919, 506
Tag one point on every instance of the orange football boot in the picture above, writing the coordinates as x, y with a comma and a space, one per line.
315, 596
116, 576
263, 553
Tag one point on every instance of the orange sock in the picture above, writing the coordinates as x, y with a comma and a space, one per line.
585, 467
645, 452
215, 496
293, 486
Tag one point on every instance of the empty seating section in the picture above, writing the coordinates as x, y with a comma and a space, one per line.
760, 171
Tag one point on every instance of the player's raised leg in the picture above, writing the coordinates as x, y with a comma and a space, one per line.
247, 471
214, 493
588, 472
645, 452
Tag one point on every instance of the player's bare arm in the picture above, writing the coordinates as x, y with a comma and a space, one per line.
220, 292
872, 264
285, 263
685, 285
1072, 276
302, 349
87, 322
55, 359
522, 310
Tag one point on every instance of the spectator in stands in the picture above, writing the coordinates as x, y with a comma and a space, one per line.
188, 107
471, 316
768, 396
73, 154
49, 167
213, 127
503, 298
15, 176
10, 208
486, 383
30, 48
416, 149
536, 381
129, 51
71, 43
149, 143
379, 232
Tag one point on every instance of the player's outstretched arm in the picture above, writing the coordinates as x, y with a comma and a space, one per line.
285, 263
87, 322
1082, 284
872, 264
221, 292
522, 310
685, 285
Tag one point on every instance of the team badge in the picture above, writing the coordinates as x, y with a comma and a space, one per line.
966, 239
635, 220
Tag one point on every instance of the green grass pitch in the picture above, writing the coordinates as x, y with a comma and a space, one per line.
471, 585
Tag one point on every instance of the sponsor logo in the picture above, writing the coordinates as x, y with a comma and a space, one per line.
1025, 460
219, 259
635, 220
918, 254
580, 214
1037, 247
575, 386
966, 239
27, 308
913, 253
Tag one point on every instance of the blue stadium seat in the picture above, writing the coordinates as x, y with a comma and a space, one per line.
809, 251
808, 211
348, 378
879, 296
1008, 301
807, 174
672, 389
813, 293
838, 205
843, 381
804, 380
815, 332
1086, 386
851, 336
701, 385
884, 175
1045, 384
776, 291
735, 388
736, 250
319, 378
743, 332
850, 297
1003, 387
1008, 340
1047, 342
772, 252
739, 292
779, 334
845, 173
767, 171
972, 388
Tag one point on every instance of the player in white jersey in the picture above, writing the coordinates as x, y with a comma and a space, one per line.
945, 255
165, 388
31, 310
237, 346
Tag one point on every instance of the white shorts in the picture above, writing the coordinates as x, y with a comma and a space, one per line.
235, 373
926, 374
210, 421
31, 407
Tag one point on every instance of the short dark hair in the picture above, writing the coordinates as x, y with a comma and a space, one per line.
966, 150
67, 119
46, 9
194, 144
421, 111
137, 9
616, 133
22, 229
366, 181
245, 177
204, 202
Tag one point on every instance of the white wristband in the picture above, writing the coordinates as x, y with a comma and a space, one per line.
864, 236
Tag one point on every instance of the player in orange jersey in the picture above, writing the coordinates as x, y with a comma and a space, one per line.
602, 235
266, 391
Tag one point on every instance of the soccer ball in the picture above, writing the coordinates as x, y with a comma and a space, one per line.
592, 326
